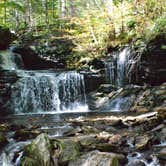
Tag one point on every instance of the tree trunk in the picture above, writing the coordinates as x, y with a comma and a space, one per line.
28, 14
17, 19
45, 5
71, 8
63, 8
5, 13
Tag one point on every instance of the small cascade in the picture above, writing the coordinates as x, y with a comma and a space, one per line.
44, 91
117, 68
7, 60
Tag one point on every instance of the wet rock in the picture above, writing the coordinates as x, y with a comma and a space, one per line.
140, 119
38, 152
142, 142
161, 111
162, 154
152, 99
93, 80
106, 88
69, 151
23, 134
7, 78
96, 101
3, 140
96, 158
136, 163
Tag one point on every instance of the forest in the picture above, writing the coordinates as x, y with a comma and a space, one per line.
82, 83
92, 26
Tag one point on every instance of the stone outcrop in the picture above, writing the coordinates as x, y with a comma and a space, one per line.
151, 66
6, 37
38, 153
32, 61
130, 98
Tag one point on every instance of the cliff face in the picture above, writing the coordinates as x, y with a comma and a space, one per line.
151, 66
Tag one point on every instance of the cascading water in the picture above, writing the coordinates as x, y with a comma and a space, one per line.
43, 91
117, 68
7, 60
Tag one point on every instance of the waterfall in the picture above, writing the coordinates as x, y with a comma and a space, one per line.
117, 68
7, 60
45, 91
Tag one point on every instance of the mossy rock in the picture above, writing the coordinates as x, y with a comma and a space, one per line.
38, 153
69, 150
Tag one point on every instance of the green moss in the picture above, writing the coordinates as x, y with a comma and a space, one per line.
115, 162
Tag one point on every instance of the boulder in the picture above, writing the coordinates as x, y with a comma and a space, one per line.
69, 151
96, 158
38, 152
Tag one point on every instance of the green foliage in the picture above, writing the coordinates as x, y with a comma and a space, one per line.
158, 28
91, 26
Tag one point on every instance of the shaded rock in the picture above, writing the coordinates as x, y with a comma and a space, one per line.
23, 134
6, 37
4, 127
151, 68
3, 140
7, 78
92, 80
97, 64
106, 88
31, 60
38, 152
96, 158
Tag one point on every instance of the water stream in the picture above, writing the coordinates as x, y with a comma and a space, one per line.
117, 69
51, 92
44, 91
